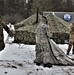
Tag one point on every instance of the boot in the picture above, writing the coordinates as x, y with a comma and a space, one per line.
37, 63
68, 51
47, 65
73, 50
69, 48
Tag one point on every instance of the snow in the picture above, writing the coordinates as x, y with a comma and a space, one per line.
17, 59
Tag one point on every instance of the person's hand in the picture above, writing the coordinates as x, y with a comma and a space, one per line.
13, 32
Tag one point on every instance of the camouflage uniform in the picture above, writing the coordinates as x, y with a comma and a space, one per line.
71, 40
2, 25
47, 51
43, 53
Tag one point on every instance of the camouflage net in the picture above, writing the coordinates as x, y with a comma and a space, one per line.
25, 30
25, 37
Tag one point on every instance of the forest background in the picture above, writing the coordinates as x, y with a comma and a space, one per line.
17, 10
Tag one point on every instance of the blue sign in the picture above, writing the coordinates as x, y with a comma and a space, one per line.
67, 17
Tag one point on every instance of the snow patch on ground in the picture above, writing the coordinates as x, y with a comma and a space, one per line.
17, 59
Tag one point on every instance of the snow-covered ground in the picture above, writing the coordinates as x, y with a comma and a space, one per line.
17, 59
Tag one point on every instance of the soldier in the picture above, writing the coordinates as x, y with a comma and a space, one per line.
41, 44
47, 51
71, 40
2, 25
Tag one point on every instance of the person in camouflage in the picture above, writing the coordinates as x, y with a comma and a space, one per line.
41, 43
2, 25
47, 51
71, 40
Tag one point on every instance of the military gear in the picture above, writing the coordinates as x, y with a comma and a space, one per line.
2, 25
47, 50
71, 40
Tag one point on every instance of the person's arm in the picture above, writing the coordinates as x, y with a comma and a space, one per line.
48, 33
7, 29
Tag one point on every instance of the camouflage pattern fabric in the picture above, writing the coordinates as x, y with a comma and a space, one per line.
2, 25
72, 33
47, 50
71, 40
2, 45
